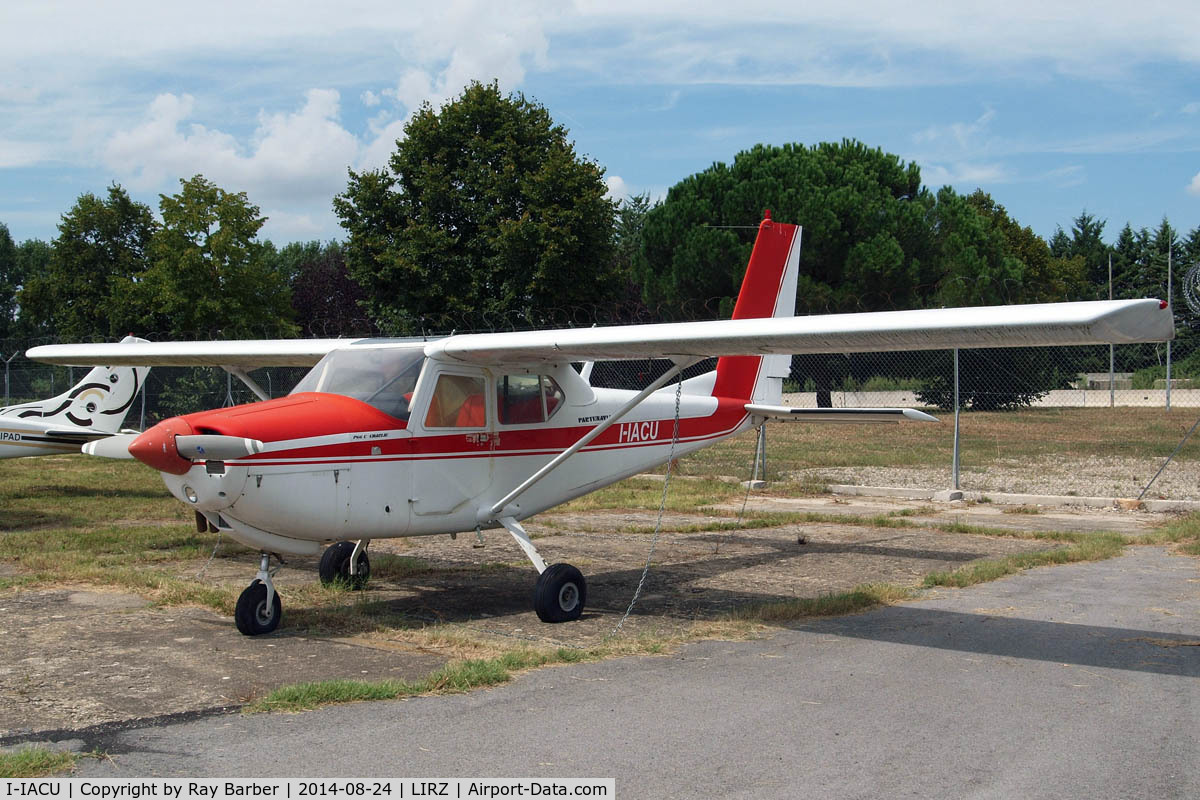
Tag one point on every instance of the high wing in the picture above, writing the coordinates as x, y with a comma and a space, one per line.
244, 353
1098, 322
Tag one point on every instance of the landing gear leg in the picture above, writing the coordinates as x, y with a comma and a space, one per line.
560, 592
258, 608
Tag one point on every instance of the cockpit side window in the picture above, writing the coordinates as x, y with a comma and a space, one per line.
458, 402
527, 399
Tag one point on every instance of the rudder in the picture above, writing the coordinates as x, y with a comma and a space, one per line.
768, 290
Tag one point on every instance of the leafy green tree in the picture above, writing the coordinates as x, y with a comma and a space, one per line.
209, 275
327, 301
866, 244
483, 216
101, 247
1045, 276
1087, 243
1131, 268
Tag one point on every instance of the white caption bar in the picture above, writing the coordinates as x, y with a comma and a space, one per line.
339, 789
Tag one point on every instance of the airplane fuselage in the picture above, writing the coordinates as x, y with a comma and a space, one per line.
18, 440
335, 468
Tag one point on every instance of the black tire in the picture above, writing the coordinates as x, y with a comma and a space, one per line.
253, 616
335, 566
559, 594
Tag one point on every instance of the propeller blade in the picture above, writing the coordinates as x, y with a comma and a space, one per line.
211, 447
111, 446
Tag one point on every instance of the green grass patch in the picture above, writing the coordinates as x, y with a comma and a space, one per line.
455, 678
1085, 547
34, 762
860, 598
685, 494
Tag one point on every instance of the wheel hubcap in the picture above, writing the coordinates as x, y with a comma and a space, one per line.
568, 597
264, 613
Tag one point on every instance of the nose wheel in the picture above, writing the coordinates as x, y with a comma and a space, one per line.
258, 608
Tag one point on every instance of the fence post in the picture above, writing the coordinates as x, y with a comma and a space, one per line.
1112, 391
6, 363
955, 466
1172, 313
760, 454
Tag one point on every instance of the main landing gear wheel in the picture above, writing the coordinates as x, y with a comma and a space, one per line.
559, 594
335, 565
254, 615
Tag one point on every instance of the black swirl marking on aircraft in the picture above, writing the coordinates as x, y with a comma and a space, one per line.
33, 412
132, 396
78, 390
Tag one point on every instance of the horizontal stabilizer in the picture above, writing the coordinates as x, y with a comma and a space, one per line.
790, 414
81, 434
111, 446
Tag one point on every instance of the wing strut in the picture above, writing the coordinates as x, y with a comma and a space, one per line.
243, 376
486, 515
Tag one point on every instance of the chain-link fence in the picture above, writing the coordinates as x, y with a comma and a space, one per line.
1087, 421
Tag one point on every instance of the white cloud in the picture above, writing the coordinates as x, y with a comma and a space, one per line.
149, 154
291, 158
960, 135
963, 174
1067, 176
1191, 108
617, 188
17, 153
1194, 186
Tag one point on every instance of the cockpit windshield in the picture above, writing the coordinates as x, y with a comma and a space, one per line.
383, 377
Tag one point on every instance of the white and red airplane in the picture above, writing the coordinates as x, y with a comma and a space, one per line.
392, 437
92, 409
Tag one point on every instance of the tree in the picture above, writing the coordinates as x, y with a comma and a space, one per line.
484, 216
865, 246
327, 301
1086, 243
100, 249
1044, 275
209, 276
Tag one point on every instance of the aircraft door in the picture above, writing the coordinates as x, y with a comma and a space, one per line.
452, 464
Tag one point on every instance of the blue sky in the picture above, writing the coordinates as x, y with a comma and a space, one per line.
1052, 107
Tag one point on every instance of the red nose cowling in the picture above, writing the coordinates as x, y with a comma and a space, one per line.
156, 447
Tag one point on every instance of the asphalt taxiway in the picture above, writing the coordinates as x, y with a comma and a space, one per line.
1073, 681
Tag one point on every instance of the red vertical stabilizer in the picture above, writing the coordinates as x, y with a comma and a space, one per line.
768, 290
